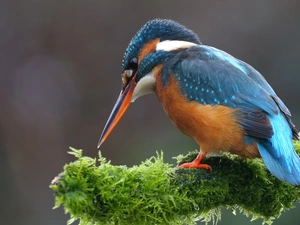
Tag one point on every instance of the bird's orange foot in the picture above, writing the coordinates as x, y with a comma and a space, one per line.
195, 165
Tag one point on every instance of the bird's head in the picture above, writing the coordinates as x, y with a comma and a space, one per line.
154, 44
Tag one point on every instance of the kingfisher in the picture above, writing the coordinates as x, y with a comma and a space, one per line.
221, 102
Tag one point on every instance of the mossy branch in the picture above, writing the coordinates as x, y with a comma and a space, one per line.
157, 193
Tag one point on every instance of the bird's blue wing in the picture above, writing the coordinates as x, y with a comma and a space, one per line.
211, 76
258, 78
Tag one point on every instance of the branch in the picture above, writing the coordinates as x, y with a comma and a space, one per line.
157, 193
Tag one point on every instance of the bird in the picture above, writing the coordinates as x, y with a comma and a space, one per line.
221, 102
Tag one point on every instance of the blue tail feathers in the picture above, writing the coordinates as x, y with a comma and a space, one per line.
279, 154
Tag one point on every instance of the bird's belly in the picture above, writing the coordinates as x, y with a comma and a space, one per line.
214, 128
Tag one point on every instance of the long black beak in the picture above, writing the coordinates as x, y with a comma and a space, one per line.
118, 111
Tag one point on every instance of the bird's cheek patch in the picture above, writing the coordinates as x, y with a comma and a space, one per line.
147, 49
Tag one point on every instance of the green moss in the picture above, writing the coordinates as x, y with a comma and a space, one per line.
157, 193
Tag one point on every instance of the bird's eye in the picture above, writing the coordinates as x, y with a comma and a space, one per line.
133, 64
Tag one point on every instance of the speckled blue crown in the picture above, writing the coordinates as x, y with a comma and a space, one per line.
158, 28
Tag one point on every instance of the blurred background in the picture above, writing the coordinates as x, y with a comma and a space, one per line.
60, 76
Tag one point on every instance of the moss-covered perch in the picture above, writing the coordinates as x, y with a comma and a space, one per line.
157, 193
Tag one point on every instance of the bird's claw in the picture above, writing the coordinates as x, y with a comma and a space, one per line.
196, 166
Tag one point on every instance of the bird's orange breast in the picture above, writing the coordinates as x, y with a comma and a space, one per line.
214, 128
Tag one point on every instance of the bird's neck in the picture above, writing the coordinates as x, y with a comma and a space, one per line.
153, 60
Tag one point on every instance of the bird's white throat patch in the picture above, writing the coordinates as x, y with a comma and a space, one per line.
145, 86
169, 46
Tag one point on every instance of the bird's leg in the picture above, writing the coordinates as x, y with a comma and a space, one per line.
197, 162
